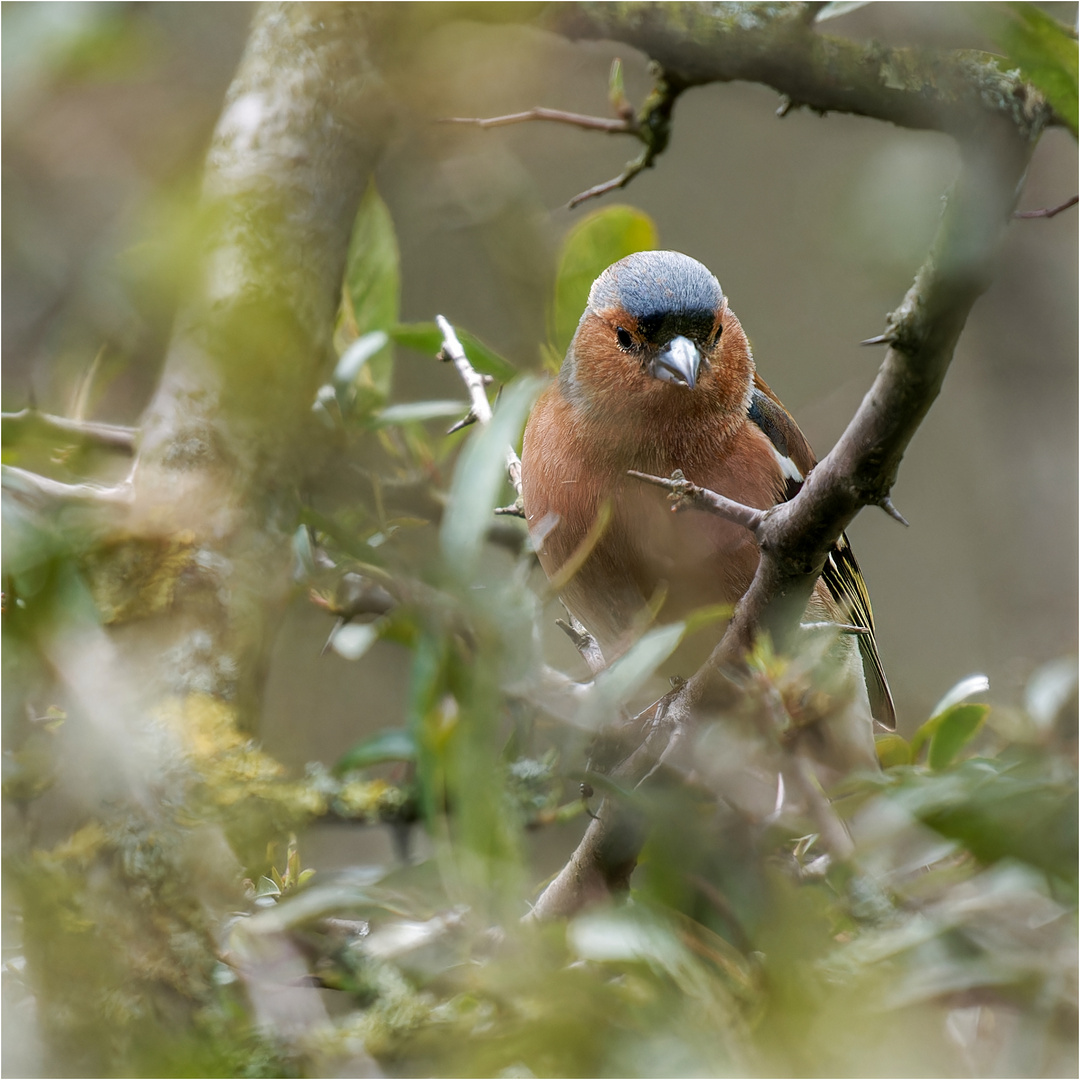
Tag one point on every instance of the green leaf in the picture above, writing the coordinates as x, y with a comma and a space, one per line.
965, 688
973, 684
590, 247
1012, 807
1042, 48
267, 887
427, 338
372, 289
892, 750
955, 729
393, 744
479, 478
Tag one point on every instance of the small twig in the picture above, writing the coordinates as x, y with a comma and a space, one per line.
108, 436
652, 127
686, 494
583, 641
513, 472
616, 182
480, 407
1047, 212
590, 123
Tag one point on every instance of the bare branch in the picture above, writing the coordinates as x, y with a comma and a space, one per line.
686, 495
616, 182
605, 858
798, 778
480, 407
796, 536
452, 350
583, 641
1048, 212
590, 123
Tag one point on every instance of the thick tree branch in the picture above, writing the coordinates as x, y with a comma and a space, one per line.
996, 118
194, 583
605, 858
797, 536
776, 44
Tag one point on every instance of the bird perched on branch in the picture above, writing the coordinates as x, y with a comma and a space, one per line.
658, 377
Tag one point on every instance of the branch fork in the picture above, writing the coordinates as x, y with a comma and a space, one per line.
651, 125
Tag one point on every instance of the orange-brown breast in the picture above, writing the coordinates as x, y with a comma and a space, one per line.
574, 463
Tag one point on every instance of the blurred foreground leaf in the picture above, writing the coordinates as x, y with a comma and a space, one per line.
414, 412
618, 683
480, 476
371, 297
1011, 807
393, 744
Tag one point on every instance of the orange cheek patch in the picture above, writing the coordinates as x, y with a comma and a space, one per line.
600, 364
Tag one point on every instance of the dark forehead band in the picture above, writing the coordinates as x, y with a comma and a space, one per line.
666, 292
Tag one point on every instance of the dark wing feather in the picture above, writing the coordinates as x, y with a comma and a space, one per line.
844, 580
841, 572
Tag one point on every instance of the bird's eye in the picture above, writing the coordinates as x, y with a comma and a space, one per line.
625, 340
716, 339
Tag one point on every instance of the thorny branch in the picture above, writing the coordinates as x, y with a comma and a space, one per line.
480, 412
479, 408
997, 119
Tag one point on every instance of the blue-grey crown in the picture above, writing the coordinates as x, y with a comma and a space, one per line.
668, 293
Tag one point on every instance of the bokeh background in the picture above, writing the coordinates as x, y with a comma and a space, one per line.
814, 226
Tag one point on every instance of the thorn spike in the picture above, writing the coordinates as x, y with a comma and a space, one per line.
886, 504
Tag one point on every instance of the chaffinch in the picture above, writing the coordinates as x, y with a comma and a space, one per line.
659, 376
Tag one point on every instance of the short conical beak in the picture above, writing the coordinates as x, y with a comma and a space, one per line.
678, 362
